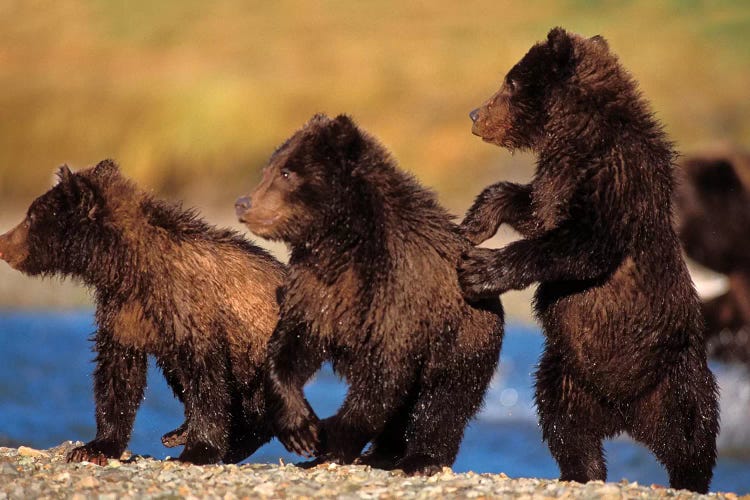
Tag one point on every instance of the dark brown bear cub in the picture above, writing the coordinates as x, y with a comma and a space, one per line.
624, 348
201, 300
373, 288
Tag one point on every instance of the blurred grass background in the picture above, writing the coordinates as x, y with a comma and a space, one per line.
191, 97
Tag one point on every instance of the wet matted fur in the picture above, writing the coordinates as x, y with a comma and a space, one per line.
200, 299
625, 349
373, 288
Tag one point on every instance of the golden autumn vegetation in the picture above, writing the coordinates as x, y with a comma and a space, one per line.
192, 96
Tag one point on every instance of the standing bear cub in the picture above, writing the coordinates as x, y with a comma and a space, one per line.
373, 288
624, 349
201, 300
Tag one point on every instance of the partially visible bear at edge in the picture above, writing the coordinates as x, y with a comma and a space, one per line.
624, 331
713, 221
373, 288
202, 300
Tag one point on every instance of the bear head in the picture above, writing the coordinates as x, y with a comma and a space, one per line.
564, 71
309, 181
53, 237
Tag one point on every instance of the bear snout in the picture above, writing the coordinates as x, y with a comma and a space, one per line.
13, 245
241, 206
3, 245
474, 115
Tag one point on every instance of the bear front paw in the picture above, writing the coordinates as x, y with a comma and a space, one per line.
419, 464
479, 275
377, 459
177, 437
200, 453
94, 452
301, 439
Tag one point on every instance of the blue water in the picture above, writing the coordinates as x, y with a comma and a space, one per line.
46, 398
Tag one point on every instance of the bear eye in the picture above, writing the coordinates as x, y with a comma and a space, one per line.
285, 174
511, 84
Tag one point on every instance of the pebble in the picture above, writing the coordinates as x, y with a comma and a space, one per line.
26, 472
25, 451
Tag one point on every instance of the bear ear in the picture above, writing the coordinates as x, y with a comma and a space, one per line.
560, 45
599, 40
344, 127
345, 136
64, 174
106, 168
76, 189
318, 119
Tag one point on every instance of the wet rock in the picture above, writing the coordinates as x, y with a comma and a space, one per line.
25, 451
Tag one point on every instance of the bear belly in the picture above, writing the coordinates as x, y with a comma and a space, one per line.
607, 331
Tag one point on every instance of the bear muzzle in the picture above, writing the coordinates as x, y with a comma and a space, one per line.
241, 206
13, 245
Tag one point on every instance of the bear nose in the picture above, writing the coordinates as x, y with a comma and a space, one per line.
242, 205
474, 115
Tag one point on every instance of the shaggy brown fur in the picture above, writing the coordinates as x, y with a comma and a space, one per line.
372, 288
201, 300
625, 349
713, 214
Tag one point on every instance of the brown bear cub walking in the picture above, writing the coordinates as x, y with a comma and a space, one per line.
624, 348
373, 288
713, 213
201, 300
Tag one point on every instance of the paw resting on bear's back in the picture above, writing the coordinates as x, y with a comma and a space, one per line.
481, 275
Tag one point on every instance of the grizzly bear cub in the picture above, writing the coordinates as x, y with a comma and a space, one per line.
200, 299
713, 214
373, 288
624, 349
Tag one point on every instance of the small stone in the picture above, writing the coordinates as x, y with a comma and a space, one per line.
8, 469
266, 489
88, 482
63, 476
25, 451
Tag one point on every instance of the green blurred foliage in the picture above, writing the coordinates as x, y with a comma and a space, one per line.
191, 97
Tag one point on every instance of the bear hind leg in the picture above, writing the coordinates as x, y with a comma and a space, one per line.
447, 400
389, 446
678, 421
573, 422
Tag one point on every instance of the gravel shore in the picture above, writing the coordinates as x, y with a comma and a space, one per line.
29, 473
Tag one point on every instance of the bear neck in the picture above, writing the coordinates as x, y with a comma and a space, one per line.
109, 268
340, 242
123, 261
382, 212
590, 125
